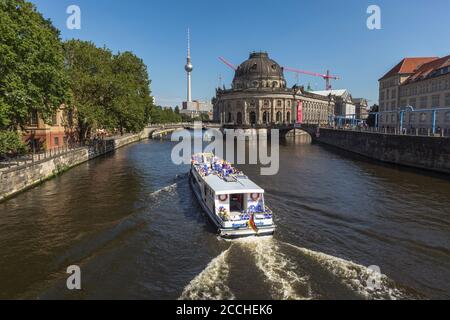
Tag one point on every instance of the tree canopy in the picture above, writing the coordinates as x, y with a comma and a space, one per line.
109, 91
32, 75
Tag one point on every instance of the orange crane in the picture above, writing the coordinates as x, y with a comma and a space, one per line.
327, 77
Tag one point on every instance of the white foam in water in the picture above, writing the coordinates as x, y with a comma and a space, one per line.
210, 284
169, 189
356, 276
279, 270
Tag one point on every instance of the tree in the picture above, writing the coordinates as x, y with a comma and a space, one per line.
32, 75
109, 91
371, 121
91, 78
11, 143
131, 92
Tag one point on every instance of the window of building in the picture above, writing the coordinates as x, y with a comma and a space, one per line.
278, 116
393, 117
288, 117
279, 103
229, 118
423, 117
435, 101
423, 102
54, 119
33, 118
56, 141
381, 95
266, 103
447, 116
447, 100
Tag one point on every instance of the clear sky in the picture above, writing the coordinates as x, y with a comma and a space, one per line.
313, 35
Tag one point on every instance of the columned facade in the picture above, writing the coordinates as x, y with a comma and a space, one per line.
259, 96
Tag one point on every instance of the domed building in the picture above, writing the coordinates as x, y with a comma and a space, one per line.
259, 96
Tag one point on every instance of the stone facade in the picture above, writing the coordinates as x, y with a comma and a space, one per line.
259, 97
420, 83
430, 153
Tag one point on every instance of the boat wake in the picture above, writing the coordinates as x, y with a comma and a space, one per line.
366, 282
168, 189
294, 273
210, 284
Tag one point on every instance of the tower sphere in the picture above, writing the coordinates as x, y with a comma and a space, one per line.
189, 67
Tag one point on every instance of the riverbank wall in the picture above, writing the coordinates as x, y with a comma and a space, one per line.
22, 177
423, 152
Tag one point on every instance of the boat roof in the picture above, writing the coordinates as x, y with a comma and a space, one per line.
233, 184
241, 184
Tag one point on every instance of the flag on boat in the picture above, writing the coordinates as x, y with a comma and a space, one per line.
252, 223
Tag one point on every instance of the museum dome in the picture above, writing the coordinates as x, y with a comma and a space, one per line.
259, 71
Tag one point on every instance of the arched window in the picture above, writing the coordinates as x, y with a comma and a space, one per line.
229, 118
252, 117
266, 103
288, 117
279, 116
265, 117
239, 118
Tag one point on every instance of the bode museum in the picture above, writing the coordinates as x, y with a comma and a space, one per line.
260, 97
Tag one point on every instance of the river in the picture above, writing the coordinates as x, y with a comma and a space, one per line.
132, 224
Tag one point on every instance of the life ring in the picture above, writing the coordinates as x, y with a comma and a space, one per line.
223, 197
255, 196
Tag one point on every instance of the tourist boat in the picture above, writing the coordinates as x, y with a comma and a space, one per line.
234, 203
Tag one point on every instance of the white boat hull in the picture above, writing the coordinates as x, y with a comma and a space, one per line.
229, 233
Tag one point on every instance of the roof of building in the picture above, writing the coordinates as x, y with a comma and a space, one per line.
429, 69
408, 66
337, 93
259, 66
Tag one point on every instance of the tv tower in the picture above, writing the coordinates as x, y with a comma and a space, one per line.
189, 68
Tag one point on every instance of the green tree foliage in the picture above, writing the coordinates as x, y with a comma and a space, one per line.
109, 91
164, 115
11, 143
32, 75
131, 89
91, 79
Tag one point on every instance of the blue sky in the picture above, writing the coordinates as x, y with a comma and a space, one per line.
313, 35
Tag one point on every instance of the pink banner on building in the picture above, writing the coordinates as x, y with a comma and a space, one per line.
300, 112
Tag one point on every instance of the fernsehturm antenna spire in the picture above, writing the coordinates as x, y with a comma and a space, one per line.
189, 67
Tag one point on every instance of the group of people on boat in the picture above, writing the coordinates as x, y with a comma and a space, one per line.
214, 165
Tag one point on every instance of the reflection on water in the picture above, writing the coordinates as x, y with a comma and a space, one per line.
130, 221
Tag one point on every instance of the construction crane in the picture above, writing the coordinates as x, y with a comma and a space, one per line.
232, 66
327, 77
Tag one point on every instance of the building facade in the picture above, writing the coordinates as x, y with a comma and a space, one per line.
259, 96
46, 135
419, 84
361, 108
343, 102
196, 109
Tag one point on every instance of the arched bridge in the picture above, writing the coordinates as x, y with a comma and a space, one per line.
160, 130
156, 131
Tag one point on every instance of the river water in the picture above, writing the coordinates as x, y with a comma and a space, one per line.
132, 224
